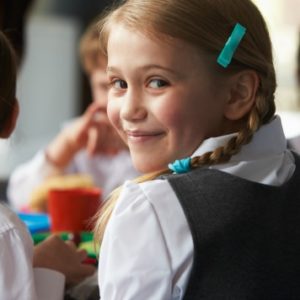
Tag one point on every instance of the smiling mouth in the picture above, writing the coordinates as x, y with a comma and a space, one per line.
142, 136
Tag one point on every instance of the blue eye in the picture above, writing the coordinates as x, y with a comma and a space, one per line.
119, 84
157, 83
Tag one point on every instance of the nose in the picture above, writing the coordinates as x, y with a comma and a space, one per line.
133, 107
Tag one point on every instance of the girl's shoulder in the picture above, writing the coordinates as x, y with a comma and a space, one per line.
150, 212
154, 197
150, 191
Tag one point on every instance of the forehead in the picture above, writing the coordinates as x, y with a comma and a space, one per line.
136, 47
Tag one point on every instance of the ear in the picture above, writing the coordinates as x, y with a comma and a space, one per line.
242, 94
11, 121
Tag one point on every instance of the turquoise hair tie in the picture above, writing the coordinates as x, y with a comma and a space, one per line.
181, 165
231, 45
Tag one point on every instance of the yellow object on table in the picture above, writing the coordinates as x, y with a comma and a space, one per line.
39, 196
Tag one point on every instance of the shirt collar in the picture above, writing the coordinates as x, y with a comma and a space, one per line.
268, 140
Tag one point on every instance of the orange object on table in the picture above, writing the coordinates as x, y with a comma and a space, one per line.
71, 209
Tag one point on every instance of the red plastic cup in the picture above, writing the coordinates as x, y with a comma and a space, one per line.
72, 209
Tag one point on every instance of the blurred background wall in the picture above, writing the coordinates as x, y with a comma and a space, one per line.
283, 19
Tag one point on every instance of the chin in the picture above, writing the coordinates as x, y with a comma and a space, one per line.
146, 167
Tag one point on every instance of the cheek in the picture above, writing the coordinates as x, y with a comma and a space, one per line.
187, 116
169, 117
170, 111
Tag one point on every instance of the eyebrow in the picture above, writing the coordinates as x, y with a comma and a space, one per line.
144, 68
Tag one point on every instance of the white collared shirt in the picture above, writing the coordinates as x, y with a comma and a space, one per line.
18, 279
147, 250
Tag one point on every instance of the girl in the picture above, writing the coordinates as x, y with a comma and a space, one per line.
27, 272
192, 94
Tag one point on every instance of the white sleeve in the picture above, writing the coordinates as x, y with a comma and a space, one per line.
26, 177
49, 284
134, 261
18, 281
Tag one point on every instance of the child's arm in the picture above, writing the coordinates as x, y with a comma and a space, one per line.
92, 131
58, 158
58, 255
27, 176
72, 138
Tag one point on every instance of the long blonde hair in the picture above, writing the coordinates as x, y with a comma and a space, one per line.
205, 24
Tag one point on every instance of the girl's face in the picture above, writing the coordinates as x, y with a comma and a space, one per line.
162, 99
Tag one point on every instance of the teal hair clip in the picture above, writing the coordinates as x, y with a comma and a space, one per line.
181, 165
231, 45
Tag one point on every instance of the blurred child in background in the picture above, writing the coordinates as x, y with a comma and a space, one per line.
88, 145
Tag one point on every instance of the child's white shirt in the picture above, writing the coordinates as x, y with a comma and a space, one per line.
18, 279
147, 250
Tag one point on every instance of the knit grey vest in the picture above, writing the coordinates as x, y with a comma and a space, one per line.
246, 235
